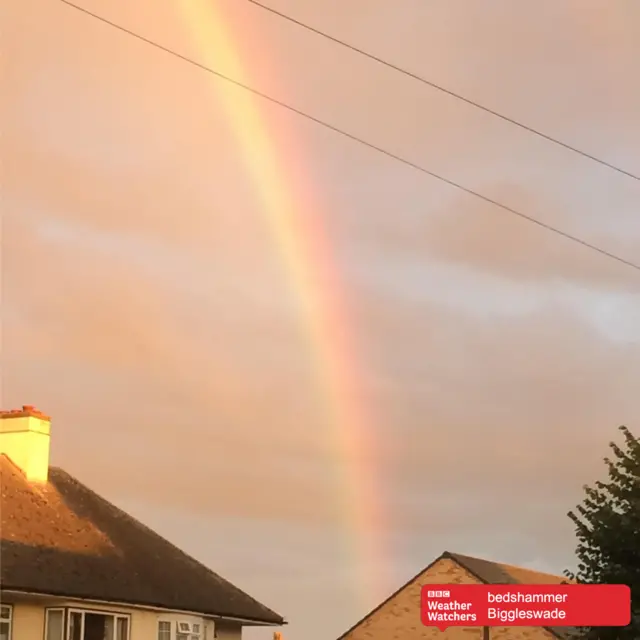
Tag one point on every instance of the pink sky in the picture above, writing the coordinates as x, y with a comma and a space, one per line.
143, 300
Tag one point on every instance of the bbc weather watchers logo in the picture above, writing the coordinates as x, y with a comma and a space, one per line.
525, 605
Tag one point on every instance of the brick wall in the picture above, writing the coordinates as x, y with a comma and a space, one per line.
399, 619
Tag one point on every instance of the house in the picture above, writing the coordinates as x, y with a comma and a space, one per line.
398, 617
75, 567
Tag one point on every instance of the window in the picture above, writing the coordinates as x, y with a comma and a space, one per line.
75, 626
164, 630
5, 621
54, 624
93, 625
188, 631
122, 628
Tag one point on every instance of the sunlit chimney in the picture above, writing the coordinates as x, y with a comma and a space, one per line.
25, 439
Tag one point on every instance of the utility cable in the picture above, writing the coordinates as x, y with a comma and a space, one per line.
440, 88
355, 138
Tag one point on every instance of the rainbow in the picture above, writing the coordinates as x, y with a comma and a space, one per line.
304, 248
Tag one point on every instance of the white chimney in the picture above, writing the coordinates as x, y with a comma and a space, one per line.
25, 439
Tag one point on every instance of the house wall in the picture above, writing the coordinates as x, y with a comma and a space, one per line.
399, 619
28, 621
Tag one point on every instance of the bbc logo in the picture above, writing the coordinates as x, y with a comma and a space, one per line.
439, 594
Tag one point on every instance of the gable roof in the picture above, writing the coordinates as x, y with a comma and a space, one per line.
65, 540
491, 572
487, 572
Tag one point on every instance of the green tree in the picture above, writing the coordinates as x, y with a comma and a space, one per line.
608, 533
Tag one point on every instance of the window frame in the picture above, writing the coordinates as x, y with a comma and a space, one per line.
175, 633
8, 607
100, 612
162, 621
62, 610
188, 635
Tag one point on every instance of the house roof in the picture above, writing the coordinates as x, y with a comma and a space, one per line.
487, 572
500, 573
65, 540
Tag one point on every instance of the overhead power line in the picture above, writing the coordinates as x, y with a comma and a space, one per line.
353, 137
440, 88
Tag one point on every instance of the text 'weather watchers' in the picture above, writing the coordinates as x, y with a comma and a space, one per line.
557, 605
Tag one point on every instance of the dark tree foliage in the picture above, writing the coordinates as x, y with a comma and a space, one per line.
608, 532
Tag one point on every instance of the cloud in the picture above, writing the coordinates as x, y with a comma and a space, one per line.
481, 235
146, 309
470, 234
504, 396
149, 306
